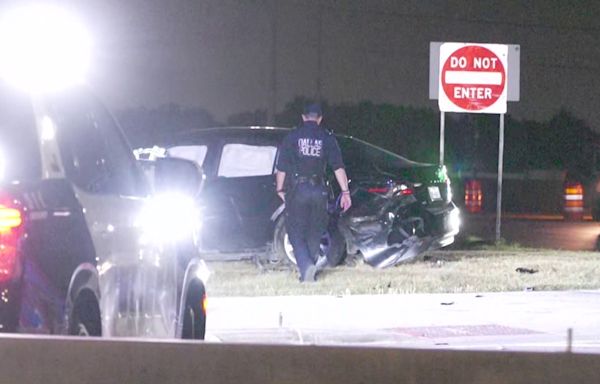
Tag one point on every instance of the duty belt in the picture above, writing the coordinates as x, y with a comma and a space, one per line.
314, 179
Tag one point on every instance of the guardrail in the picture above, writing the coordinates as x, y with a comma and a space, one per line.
73, 360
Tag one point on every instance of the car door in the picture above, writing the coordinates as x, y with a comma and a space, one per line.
240, 194
113, 192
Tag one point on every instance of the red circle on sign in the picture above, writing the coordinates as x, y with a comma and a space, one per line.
473, 78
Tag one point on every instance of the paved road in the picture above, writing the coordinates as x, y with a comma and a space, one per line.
535, 231
533, 321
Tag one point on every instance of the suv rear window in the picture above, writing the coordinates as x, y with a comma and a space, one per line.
19, 146
362, 158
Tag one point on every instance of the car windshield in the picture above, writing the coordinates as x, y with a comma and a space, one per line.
19, 149
362, 158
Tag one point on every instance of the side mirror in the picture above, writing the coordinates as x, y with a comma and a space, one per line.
170, 174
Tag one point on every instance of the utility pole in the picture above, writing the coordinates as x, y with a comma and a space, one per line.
320, 52
273, 92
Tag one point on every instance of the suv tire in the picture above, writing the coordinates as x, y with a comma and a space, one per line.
194, 317
86, 320
333, 244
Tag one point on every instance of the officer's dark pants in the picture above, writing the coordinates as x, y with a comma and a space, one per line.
306, 221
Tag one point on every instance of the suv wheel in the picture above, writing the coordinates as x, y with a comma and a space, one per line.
333, 245
194, 316
85, 319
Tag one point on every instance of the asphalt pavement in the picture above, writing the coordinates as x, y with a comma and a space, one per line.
531, 321
538, 231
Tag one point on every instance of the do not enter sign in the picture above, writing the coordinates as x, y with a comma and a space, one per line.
473, 78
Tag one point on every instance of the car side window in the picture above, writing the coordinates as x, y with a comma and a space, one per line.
242, 160
195, 153
95, 154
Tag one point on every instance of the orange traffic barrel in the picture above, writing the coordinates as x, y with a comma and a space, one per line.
473, 196
573, 201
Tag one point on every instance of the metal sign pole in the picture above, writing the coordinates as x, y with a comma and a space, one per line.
442, 132
500, 170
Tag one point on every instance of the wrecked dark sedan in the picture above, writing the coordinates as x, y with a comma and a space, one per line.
400, 208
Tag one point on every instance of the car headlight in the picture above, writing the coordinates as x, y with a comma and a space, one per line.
170, 218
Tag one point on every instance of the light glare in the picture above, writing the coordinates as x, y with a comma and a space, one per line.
48, 130
202, 272
43, 48
454, 220
170, 217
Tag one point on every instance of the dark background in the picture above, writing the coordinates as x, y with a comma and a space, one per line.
166, 66
233, 56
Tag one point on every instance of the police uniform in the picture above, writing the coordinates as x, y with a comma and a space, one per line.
304, 155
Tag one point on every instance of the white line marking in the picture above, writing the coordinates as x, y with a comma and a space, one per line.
473, 77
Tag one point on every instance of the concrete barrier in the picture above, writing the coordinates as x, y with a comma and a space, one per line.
58, 360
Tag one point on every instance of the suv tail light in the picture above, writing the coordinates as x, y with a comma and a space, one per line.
11, 223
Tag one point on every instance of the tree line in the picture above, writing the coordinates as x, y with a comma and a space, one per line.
564, 142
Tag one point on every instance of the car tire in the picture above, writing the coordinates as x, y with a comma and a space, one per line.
85, 319
194, 317
333, 245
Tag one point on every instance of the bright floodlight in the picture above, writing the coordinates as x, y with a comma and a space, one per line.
42, 48
170, 218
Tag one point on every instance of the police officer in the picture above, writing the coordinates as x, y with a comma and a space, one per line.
304, 154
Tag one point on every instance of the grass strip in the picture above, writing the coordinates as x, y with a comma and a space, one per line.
487, 270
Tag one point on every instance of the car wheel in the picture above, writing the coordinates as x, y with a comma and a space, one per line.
194, 316
86, 320
333, 245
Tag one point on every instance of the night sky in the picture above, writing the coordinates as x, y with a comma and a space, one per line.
223, 54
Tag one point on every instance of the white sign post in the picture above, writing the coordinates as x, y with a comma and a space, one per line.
473, 78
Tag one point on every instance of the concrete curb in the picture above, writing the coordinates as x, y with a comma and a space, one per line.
59, 360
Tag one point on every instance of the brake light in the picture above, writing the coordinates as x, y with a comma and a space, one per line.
401, 189
9, 218
405, 191
11, 221
379, 190
473, 196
